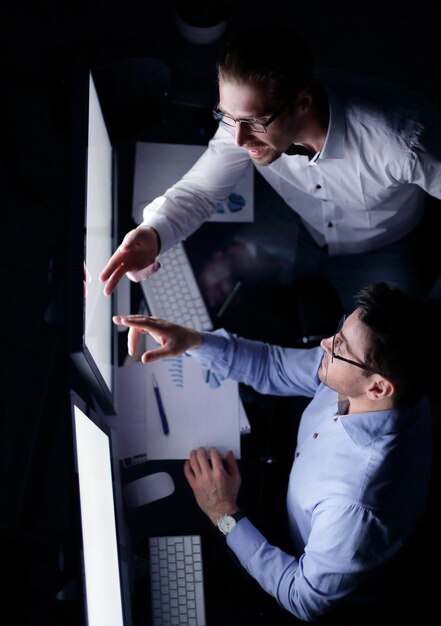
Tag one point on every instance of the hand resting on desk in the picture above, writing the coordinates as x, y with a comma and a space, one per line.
173, 339
135, 257
215, 482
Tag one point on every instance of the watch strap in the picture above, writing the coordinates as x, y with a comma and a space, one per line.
234, 516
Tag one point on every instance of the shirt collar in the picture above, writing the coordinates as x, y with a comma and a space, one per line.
333, 147
298, 149
363, 428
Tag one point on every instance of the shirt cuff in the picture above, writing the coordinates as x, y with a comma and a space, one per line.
212, 344
245, 540
161, 223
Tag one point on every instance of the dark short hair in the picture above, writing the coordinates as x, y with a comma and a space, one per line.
275, 58
402, 330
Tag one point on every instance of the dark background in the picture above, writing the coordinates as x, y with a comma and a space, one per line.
37, 44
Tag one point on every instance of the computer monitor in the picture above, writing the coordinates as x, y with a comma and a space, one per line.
92, 224
104, 552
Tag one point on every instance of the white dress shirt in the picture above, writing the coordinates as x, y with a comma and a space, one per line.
364, 190
357, 486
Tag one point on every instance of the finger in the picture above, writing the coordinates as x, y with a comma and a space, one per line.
146, 322
140, 324
113, 281
216, 459
203, 460
118, 319
133, 317
194, 463
231, 464
189, 474
132, 340
198, 460
124, 320
112, 264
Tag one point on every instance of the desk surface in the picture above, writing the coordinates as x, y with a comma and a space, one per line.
232, 596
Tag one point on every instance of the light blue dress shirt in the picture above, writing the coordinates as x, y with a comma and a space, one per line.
357, 486
365, 190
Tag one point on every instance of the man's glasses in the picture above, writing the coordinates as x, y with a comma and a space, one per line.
251, 125
363, 366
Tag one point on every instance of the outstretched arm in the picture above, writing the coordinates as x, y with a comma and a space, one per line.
172, 338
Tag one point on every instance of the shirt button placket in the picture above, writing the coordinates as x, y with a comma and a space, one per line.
328, 210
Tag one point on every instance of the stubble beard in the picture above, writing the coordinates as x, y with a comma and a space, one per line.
269, 157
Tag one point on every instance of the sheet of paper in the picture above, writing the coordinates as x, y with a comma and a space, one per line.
199, 413
130, 423
244, 423
158, 166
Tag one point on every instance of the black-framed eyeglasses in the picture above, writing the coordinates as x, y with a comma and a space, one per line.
362, 366
253, 126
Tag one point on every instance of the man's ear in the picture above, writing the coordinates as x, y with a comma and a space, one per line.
380, 388
304, 100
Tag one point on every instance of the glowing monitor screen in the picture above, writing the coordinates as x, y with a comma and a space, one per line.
99, 536
99, 225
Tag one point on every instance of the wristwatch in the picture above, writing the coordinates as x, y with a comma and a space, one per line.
228, 522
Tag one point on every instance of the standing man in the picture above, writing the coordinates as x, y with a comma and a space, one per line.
354, 169
361, 470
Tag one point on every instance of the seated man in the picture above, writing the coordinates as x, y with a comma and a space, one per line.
361, 469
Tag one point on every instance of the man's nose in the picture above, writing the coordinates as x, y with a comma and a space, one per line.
241, 134
326, 344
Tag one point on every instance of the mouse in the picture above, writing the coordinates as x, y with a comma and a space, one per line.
148, 489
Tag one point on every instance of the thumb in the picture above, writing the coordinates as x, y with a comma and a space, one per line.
154, 355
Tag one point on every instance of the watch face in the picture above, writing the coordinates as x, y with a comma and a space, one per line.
226, 523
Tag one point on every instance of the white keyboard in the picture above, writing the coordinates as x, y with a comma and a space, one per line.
173, 293
177, 581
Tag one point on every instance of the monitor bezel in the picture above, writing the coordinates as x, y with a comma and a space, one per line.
79, 88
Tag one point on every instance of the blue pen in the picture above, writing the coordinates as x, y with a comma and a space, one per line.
162, 414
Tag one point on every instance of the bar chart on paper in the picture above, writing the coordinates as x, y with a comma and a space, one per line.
188, 409
198, 413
